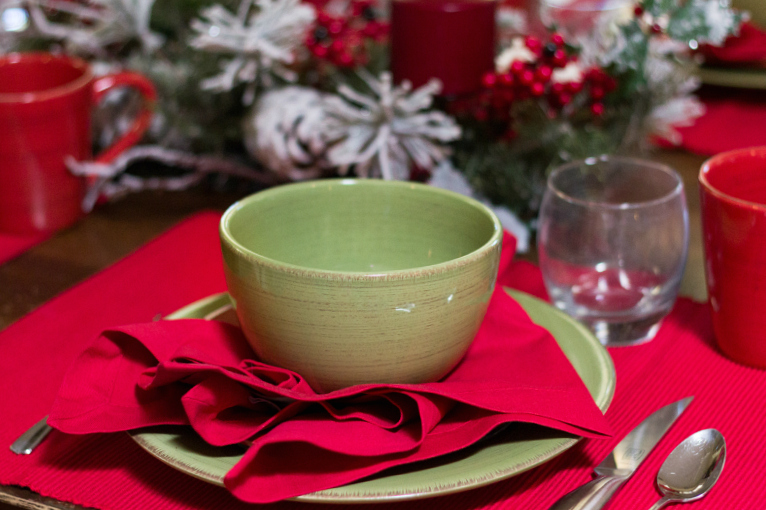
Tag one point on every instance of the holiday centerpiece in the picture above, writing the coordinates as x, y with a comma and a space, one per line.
468, 94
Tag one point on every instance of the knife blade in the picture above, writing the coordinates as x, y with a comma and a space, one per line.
623, 461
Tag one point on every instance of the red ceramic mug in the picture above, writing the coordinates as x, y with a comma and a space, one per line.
46, 102
733, 194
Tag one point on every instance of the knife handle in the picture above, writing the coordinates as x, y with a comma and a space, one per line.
593, 495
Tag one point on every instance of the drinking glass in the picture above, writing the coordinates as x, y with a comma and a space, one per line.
576, 19
612, 244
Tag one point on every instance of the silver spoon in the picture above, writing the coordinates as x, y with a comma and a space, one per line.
692, 468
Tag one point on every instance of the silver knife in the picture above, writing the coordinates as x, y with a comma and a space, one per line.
623, 461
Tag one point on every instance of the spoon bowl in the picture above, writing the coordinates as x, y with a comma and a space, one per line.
692, 468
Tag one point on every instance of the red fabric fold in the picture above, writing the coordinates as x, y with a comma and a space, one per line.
734, 119
202, 373
747, 47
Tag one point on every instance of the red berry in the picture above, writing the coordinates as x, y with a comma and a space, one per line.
489, 79
507, 79
345, 59
597, 109
597, 93
319, 51
543, 73
527, 77
323, 18
557, 39
574, 87
338, 46
557, 88
656, 28
564, 98
559, 58
370, 29
533, 43
537, 89
517, 67
335, 27
638, 10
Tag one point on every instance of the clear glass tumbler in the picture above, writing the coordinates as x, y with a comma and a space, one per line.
577, 19
612, 242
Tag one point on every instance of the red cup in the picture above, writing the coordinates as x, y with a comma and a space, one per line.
46, 102
733, 194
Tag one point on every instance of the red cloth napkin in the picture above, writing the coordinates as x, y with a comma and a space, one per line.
202, 373
734, 118
109, 471
747, 47
12, 245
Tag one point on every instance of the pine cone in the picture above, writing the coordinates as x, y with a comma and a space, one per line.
283, 132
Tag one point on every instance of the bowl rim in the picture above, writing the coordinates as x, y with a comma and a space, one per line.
495, 240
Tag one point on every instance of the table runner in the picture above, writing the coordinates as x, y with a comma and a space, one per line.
109, 471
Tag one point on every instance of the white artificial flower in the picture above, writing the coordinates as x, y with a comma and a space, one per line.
571, 73
720, 19
518, 51
258, 40
677, 112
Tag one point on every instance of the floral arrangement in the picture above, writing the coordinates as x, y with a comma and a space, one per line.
284, 90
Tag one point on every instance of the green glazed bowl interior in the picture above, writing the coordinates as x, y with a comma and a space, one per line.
360, 226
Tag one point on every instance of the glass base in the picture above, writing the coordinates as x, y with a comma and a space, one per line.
620, 334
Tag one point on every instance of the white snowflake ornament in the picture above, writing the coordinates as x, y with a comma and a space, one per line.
259, 41
97, 23
381, 133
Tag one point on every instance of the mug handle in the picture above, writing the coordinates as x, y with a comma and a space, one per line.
141, 123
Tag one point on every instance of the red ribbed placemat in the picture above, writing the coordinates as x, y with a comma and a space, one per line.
109, 471
733, 119
13, 245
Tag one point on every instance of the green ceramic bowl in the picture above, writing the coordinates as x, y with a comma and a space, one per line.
360, 281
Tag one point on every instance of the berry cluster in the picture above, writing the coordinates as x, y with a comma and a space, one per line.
340, 40
523, 80
598, 84
536, 79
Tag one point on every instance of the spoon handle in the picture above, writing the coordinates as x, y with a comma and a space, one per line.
662, 502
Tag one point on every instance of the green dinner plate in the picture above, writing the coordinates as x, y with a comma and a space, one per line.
510, 450
745, 78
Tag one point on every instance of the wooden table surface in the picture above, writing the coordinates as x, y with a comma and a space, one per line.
116, 229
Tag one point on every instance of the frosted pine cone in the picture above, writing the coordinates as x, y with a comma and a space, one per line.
284, 132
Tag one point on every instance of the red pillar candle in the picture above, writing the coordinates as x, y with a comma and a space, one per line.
453, 40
